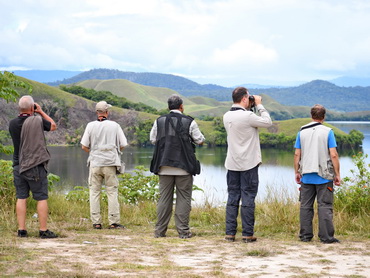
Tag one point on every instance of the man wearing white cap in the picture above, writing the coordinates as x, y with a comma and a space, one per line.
104, 140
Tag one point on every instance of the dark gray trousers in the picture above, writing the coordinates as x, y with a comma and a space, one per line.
241, 185
324, 194
184, 187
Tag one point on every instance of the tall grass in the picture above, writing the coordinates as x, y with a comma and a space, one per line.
276, 216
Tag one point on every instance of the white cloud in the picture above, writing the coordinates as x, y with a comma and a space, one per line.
244, 53
333, 65
224, 42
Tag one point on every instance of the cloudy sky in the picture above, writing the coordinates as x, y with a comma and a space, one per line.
226, 42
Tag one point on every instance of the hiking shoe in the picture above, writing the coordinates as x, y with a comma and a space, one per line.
47, 234
249, 239
22, 233
116, 226
184, 236
97, 226
230, 238
305, 239
329, 241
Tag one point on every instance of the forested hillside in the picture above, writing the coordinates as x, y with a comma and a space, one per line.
200, 106
72, 112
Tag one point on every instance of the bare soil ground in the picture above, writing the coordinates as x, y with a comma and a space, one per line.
133, 253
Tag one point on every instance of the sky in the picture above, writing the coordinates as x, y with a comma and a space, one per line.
226, 42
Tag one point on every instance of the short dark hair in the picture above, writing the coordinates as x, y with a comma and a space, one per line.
174, 102
318, 112
239, 93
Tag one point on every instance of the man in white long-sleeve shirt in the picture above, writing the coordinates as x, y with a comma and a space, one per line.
242, 160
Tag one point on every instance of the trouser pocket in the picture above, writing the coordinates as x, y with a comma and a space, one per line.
34, 174
328, 194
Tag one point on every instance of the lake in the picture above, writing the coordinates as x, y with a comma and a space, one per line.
276, 172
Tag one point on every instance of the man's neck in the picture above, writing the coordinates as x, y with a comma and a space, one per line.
25, 113
318, 121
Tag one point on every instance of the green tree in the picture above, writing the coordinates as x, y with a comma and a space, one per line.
8, 83
142, 132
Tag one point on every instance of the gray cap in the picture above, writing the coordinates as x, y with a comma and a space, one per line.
102, 106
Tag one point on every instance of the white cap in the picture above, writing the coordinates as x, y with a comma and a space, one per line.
102, 106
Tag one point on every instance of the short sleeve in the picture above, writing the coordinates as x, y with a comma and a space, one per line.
46, 124
297, 144
86, 137
332, 143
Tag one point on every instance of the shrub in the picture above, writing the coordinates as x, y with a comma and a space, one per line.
7, 189
354, 195
139, 187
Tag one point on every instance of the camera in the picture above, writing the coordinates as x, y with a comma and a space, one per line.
34, 107
251, 101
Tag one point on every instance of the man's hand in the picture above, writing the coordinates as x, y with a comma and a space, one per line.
337, 181
257, 99
298, 178
37, 108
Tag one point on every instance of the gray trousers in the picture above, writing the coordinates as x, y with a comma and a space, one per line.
184, 187
324, 193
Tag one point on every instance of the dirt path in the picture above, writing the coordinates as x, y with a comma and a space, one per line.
125, 253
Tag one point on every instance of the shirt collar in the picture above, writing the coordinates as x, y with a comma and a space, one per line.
239, 106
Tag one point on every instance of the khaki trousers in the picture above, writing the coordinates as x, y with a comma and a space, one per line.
96, 177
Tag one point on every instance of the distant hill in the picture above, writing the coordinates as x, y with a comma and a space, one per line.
341, 99
323, 92
198, 106
170, 81
153, 96
45, 76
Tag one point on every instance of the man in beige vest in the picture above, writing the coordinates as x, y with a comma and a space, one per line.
104, 140
316, 165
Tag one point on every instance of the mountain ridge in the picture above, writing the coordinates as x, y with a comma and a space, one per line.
341, 99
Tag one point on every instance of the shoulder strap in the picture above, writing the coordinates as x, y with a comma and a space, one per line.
236, 108
309, 126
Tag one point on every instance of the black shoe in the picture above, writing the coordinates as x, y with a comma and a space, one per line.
158, 236
22, 233
184, 236
47, 234
329, 241
97, 226
230, 238
305, 239
116, 226
249, 239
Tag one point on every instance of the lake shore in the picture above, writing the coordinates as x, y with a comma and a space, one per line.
134, 252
